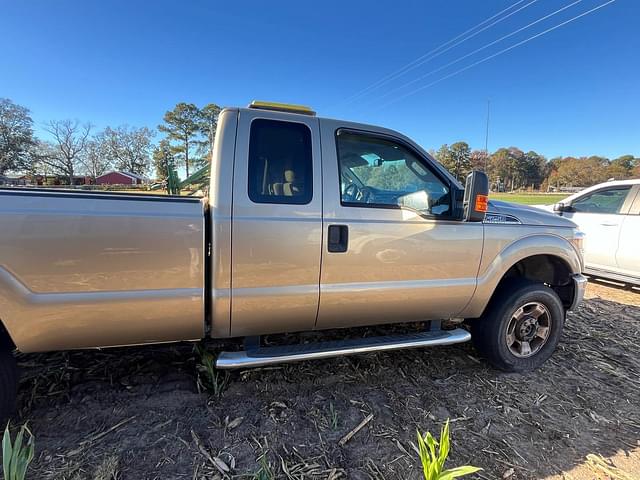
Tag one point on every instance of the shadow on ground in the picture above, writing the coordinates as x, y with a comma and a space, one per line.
137, 413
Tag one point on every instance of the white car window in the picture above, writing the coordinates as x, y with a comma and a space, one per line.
609, 200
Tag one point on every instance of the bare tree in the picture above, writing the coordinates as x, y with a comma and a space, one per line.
127, 148
70, 140
94, 158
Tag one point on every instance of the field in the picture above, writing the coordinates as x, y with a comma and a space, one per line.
530, 198
523, 198
138, 413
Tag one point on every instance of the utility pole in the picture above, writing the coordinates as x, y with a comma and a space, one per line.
486, 138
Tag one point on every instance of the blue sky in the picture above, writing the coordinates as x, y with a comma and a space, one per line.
573, 91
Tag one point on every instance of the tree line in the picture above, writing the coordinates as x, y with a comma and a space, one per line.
188, 132
76, 148
512, 169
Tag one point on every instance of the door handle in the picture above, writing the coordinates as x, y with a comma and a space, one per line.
338, 241
609, 224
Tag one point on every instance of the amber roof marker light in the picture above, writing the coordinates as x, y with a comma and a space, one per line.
282, 107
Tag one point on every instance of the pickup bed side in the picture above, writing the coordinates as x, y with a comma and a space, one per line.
87, 270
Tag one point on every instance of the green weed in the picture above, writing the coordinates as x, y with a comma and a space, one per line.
209, 377
17, 456
265, 472
333, 417
433, 455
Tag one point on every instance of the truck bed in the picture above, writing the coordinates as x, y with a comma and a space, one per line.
71, 260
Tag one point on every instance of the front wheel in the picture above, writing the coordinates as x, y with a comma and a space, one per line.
8, 384
520, 328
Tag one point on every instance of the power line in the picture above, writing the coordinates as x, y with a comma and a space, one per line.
428, 74
434, 53
527, 40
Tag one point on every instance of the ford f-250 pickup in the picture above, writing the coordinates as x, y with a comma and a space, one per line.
310, 224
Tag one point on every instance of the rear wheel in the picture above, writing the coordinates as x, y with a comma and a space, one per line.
520, 328
8, 384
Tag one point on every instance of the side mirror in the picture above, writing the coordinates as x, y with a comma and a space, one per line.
417, 200
562, 207
476, 196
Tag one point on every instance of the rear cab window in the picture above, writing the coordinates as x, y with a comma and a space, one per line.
280, 162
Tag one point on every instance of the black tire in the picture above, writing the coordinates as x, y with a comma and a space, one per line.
489, 333
8, 384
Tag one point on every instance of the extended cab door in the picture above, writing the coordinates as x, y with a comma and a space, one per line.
277, 223
393, 251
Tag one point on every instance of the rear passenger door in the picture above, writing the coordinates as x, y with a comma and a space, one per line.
277, 223
628, 254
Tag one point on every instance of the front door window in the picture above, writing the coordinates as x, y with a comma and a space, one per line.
377, 172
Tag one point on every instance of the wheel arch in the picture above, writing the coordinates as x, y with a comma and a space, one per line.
548, 269
548, 259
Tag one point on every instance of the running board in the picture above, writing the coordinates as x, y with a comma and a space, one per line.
612, 276
261, 356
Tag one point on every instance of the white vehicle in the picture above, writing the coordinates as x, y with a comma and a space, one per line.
609, 215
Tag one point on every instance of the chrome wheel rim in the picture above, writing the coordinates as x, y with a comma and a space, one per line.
528, 329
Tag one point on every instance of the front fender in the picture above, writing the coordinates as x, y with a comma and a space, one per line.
493, 269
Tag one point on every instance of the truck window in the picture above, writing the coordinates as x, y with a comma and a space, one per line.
377, 172
280, 162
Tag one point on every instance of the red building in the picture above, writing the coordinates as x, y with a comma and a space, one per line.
120, 178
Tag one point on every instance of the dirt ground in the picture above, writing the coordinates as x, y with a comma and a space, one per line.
137, 413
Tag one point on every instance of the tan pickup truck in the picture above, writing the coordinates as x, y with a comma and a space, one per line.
310, 224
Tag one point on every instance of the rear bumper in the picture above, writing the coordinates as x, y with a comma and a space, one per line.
579, 286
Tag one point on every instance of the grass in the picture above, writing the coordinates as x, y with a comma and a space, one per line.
333, 417
529, 198
209, 377
265, 472
434, 453
518, 197
17, 456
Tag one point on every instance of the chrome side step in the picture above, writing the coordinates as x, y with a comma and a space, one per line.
260, 356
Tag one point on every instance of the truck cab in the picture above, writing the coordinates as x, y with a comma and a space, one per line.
334, 224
